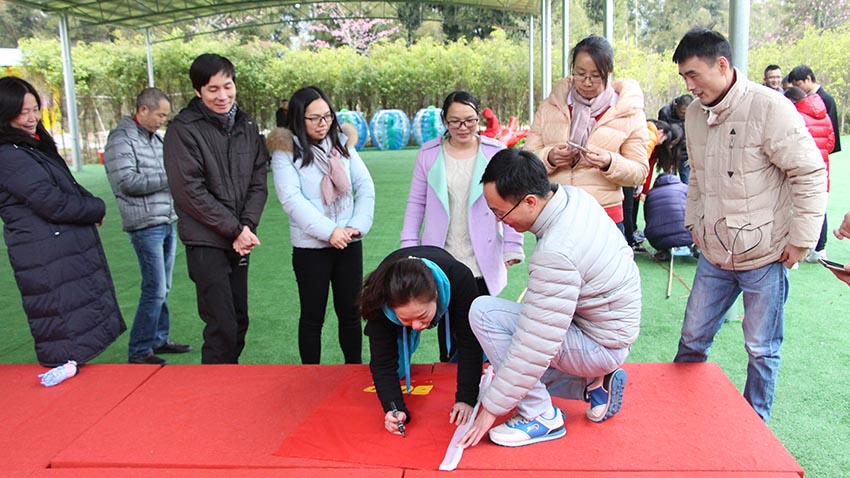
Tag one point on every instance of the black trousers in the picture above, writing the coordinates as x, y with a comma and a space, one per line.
221, 284
630, 206
823, 233
315, 270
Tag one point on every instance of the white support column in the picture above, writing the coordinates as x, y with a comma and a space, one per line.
739, 33
546, 48
530, 69
609, 21
70, 94
565, 39
150, 56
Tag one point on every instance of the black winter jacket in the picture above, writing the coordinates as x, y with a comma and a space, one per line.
217, 178
383, 334
667, 113
55, 250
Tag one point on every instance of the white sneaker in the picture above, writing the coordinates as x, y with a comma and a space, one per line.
812, 256
519, 431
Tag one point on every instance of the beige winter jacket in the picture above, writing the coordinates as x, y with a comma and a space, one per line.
758, 182
621, 130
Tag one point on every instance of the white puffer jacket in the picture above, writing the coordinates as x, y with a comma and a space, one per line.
581, 270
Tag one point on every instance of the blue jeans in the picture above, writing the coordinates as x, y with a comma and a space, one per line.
577, 362
155, 247
715, 290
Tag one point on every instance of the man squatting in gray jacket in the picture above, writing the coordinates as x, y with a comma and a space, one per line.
756, 201
580, 315
134, 167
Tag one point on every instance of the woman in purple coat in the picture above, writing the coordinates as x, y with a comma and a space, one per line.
446, 206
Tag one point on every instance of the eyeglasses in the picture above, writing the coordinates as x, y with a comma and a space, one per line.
458, 124
503, 216
595, 79
315, 120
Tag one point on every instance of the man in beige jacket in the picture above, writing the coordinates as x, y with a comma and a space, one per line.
756, 201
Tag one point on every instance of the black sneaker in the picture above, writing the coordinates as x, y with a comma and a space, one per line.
149, 359
638, 249
170, 347
662, 255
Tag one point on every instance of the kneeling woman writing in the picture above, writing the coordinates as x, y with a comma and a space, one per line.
414, 289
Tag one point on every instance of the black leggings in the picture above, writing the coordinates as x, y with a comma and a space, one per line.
315, 270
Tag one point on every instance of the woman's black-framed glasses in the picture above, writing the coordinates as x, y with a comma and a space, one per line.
327, 118
458, 124
503, 216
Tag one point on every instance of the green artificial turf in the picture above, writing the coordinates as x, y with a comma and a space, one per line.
811, 415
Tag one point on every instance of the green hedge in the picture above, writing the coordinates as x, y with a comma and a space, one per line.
391, 75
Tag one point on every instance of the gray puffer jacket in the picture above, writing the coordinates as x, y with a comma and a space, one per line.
134, 166
581, 271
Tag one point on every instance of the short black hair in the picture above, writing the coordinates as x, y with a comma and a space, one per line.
517, 173
600, 51
800, 72
208, 65
705, 44
770, 68
151, 98
683, 100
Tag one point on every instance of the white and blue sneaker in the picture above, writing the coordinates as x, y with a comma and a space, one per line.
519, 431
607, 399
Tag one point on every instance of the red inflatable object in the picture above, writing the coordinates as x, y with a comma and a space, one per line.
510, 135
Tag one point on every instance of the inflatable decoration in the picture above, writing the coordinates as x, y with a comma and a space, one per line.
510, 135
428, 124
390, 129
355, 118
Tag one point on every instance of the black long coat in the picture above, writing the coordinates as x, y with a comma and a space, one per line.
56, 254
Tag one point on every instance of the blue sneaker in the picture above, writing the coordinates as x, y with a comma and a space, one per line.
638, 236
606, 401
519, 431
682, 251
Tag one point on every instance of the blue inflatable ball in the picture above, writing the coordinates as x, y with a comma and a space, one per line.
390, 129
356, 118
428, 124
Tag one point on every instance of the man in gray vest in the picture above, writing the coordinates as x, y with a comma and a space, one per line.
134, 166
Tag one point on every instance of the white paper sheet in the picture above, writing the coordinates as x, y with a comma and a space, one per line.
454, 453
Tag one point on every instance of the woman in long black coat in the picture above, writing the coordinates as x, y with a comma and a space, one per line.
50, 228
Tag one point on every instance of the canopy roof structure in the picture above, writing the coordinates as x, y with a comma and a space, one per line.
149, 13
146, 14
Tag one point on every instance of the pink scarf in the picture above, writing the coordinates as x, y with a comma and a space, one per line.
336, 186
585, 112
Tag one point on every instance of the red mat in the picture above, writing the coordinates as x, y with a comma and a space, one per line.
357, 434
599, 474
208, 416
207, 473
38, 422
676, 417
